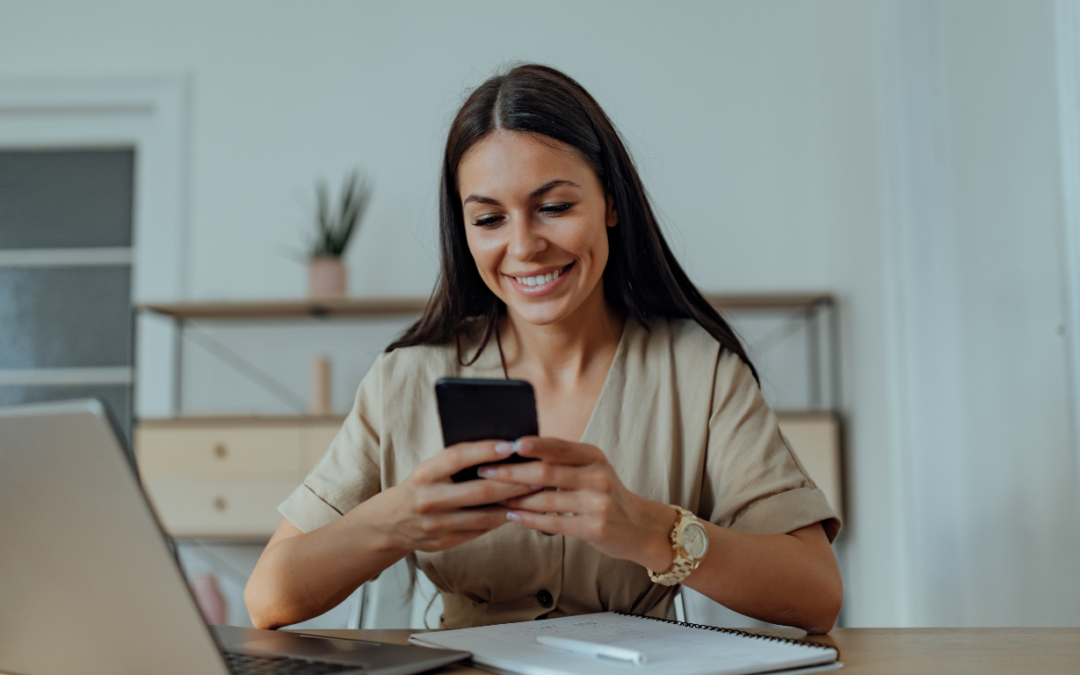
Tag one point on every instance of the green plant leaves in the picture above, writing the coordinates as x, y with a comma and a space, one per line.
335, 226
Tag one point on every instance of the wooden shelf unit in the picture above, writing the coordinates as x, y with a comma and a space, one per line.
810, 305
363, 307
287, 309
223, 477
236, 419
208, 478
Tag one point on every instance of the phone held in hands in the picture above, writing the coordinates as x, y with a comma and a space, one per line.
483, 410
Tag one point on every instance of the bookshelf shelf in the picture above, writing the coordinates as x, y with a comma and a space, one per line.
385, 306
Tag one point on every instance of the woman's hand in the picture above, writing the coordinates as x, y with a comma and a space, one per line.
429, 512
301, 575
591, 502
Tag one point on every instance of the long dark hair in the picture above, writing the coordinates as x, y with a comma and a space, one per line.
642, 277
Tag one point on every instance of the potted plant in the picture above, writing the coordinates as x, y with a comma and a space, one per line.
334, 228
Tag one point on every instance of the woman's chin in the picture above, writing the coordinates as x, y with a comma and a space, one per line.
539, 316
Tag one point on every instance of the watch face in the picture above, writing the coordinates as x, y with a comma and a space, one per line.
695, 541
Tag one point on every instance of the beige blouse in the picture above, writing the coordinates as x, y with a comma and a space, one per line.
681, 420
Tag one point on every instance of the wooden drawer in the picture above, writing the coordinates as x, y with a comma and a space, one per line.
224, 477
201, 507
815, 438
219, 452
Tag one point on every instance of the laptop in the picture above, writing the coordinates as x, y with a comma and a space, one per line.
89, 584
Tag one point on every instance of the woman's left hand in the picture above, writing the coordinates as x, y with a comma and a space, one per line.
591, 502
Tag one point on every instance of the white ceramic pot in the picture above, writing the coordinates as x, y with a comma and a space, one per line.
326, 278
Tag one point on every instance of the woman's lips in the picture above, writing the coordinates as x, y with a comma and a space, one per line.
543, 283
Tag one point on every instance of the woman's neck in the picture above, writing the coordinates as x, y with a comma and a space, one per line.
562, 353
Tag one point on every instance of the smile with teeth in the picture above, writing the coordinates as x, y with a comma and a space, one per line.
541, 279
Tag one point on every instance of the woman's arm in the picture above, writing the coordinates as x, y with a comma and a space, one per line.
303, 575
300, 575
790, 579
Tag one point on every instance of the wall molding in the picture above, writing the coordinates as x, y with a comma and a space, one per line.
66, 377
150, 115
1067, 29
67, 257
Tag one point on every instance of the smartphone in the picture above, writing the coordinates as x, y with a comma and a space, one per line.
483, 410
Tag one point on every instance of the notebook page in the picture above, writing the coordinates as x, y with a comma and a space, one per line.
670, 649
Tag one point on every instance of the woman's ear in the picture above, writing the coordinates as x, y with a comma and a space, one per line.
612, 214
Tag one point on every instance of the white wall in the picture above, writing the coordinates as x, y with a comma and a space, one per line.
723, 103
758, 129
984, 459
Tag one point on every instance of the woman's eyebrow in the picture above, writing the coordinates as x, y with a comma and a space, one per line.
481, 199
549, 185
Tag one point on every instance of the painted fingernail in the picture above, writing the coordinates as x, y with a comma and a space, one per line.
504, 449
511, 515
487, 472
522, 446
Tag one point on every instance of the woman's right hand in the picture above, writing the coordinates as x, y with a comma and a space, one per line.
301, 575
429, 512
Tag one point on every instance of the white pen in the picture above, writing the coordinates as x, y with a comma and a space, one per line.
602, 651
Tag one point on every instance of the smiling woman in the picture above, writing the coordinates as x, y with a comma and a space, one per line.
541, 250
660, 462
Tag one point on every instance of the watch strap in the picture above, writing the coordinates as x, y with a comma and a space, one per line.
682, 565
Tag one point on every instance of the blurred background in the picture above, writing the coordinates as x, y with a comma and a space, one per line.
885, 195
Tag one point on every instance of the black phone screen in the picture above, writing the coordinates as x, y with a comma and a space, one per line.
483, 410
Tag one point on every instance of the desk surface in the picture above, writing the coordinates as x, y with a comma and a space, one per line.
885, 651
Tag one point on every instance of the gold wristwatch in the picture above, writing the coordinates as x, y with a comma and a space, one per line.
690, 543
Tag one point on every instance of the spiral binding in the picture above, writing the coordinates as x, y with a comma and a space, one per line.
741, 633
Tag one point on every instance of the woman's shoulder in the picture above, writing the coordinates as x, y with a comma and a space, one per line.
681, 336
693, 347
416, 360
419, 366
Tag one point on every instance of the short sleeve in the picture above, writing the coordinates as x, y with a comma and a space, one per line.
349, 473
754, 483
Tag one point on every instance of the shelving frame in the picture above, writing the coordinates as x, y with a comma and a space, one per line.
823, 387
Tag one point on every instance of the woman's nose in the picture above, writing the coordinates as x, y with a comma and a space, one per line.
525, 242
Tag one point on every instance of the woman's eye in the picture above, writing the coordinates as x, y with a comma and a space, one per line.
555, 208
486, 221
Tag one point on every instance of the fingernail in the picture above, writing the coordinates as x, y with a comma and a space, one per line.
504, 449
516, 517
520, 445
487, 472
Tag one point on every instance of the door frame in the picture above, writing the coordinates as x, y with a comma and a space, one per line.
147, 114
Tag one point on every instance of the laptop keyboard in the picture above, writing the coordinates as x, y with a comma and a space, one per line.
250, 664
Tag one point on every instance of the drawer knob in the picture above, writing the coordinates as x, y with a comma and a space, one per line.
220, 504
220, 451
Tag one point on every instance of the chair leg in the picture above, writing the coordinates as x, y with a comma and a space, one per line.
680, 608
356, 610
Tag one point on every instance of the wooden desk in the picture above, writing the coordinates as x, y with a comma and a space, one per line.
885, 651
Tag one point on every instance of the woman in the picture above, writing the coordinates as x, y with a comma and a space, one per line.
554, 271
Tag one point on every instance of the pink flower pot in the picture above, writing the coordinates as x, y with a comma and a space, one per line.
210, 599
326, 278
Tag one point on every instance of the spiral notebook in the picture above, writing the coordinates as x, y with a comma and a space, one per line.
670, 648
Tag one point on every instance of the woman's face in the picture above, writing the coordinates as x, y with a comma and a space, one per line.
536, 221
